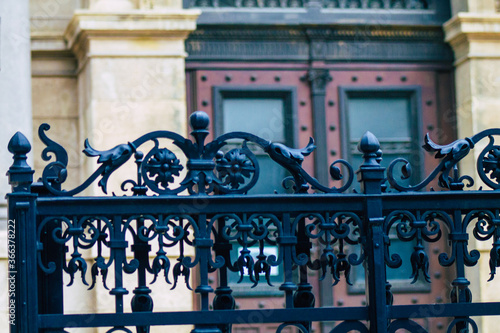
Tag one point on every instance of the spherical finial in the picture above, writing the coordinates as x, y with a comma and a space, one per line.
369, 143
19, 144
199, 120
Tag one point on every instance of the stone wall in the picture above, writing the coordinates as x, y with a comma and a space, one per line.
107, 70
474, 34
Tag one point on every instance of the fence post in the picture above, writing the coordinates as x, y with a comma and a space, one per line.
21, 244
371, 176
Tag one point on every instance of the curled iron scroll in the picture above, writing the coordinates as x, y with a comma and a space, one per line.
488, 164
209, 170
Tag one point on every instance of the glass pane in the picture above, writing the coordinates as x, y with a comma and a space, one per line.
270, 178
387, 118
260, 116
264, 117
390, 120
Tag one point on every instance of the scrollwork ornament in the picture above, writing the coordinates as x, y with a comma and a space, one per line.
55, 173
449, 154
486, 227
419, 228
234, 167
298, 326
237, 170
119, 329
405, 324
464, 321
488, 164
160, 166
349, 326
338, 228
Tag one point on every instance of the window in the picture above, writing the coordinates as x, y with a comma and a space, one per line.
392, 114
268, 112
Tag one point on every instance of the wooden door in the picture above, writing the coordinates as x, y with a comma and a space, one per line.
424, 95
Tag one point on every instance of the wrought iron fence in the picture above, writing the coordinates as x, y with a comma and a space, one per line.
52, 227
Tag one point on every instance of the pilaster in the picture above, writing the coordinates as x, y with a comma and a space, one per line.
131, 77
475, 39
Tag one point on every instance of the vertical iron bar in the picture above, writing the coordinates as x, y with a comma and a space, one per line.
223, 299
460, 285
118, 246
50, 286
371, 176
203, 245
142, 301
303, 297
286, 242
203, 249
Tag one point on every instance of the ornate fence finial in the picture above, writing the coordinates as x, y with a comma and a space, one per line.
370, 147
199, 121
370, 173
20, 173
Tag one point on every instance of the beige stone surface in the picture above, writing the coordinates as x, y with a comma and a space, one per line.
131, 97
62, 65
157, 4
112, 5
131, 81
481, 6
55, 97
475, 39
143, 23
55, 103
109, 70
473, 35
48, 21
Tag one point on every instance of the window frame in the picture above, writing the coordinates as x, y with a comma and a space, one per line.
287, 93
412, 92
289, 96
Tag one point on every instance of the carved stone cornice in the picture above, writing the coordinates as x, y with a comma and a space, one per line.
473, 35
305, 43
329, 33
92, 33
245, 33
375, 33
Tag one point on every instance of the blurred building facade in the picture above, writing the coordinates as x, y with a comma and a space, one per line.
111, 70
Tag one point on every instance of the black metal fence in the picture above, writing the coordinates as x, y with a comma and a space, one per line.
50, 227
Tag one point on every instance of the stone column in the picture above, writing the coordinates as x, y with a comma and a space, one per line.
131, 77
475, 38
15, 85
131, 81
474, 34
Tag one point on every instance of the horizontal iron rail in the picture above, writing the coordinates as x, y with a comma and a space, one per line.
444, 310
445, 200
200, 204
216, 317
